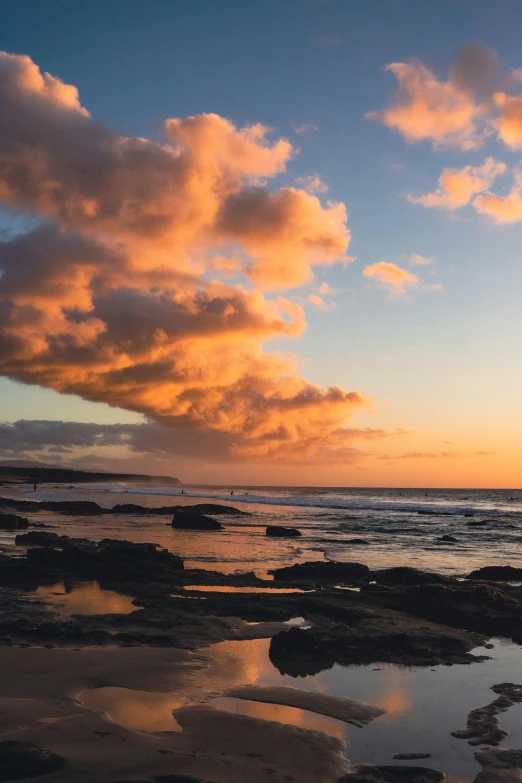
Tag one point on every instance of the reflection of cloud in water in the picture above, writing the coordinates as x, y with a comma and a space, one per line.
282, 714
394, 695
136, 710
85, 599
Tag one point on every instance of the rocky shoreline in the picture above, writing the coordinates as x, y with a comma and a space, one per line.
356, 615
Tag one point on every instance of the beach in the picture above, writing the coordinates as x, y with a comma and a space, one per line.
206, 655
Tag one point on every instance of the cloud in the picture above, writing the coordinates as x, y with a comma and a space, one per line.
145, 281
456, 111
312, 183
415, 259
391, 276
425, 108
458, 186
305, 127
317, 301
509, 123
436, 455
324, 288
150, 447
503, 209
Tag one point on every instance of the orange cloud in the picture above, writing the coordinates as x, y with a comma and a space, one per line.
391, 276
503, 209
118, 294
458, 186
457, 111
317, 301
509, 123
427, 109
415, 259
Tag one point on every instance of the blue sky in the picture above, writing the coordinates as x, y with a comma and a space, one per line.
443, 364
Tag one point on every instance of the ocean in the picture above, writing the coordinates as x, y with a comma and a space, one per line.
378, 527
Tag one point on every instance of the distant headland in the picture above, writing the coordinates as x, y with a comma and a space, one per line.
38, 474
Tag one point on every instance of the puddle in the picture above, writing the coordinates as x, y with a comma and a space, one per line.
85, 599
136, 710
423, 705
228, 589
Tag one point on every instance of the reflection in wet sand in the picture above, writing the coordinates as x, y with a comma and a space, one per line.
281, 714
424, 705
84, 599
136, 710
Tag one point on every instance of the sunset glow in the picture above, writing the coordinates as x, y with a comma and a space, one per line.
308, 285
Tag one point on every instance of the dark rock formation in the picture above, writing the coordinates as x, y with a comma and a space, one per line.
367, 773
499, 765
411, 756
448, 539
19, 760
484, 608
409, 576
367, 636
15, 572
497, 574
167, 779
40, 475
282, 532
483, 727
36, 538
198, 508
188, 520
13, 522
320, 571
90, 508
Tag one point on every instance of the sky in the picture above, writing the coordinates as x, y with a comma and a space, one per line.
270, 242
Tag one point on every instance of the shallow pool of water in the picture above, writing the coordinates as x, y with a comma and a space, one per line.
88, 599
423, 705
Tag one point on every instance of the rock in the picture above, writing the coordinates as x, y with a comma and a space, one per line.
412, 756
13, 522
184, 520
448, 539
499, 766
300, 653
81, 508
16, 572
367, 773
282, 532
321, 571
497, 574
167, 779
19, 760
35, 538
402, 575
45, 557
483, 727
